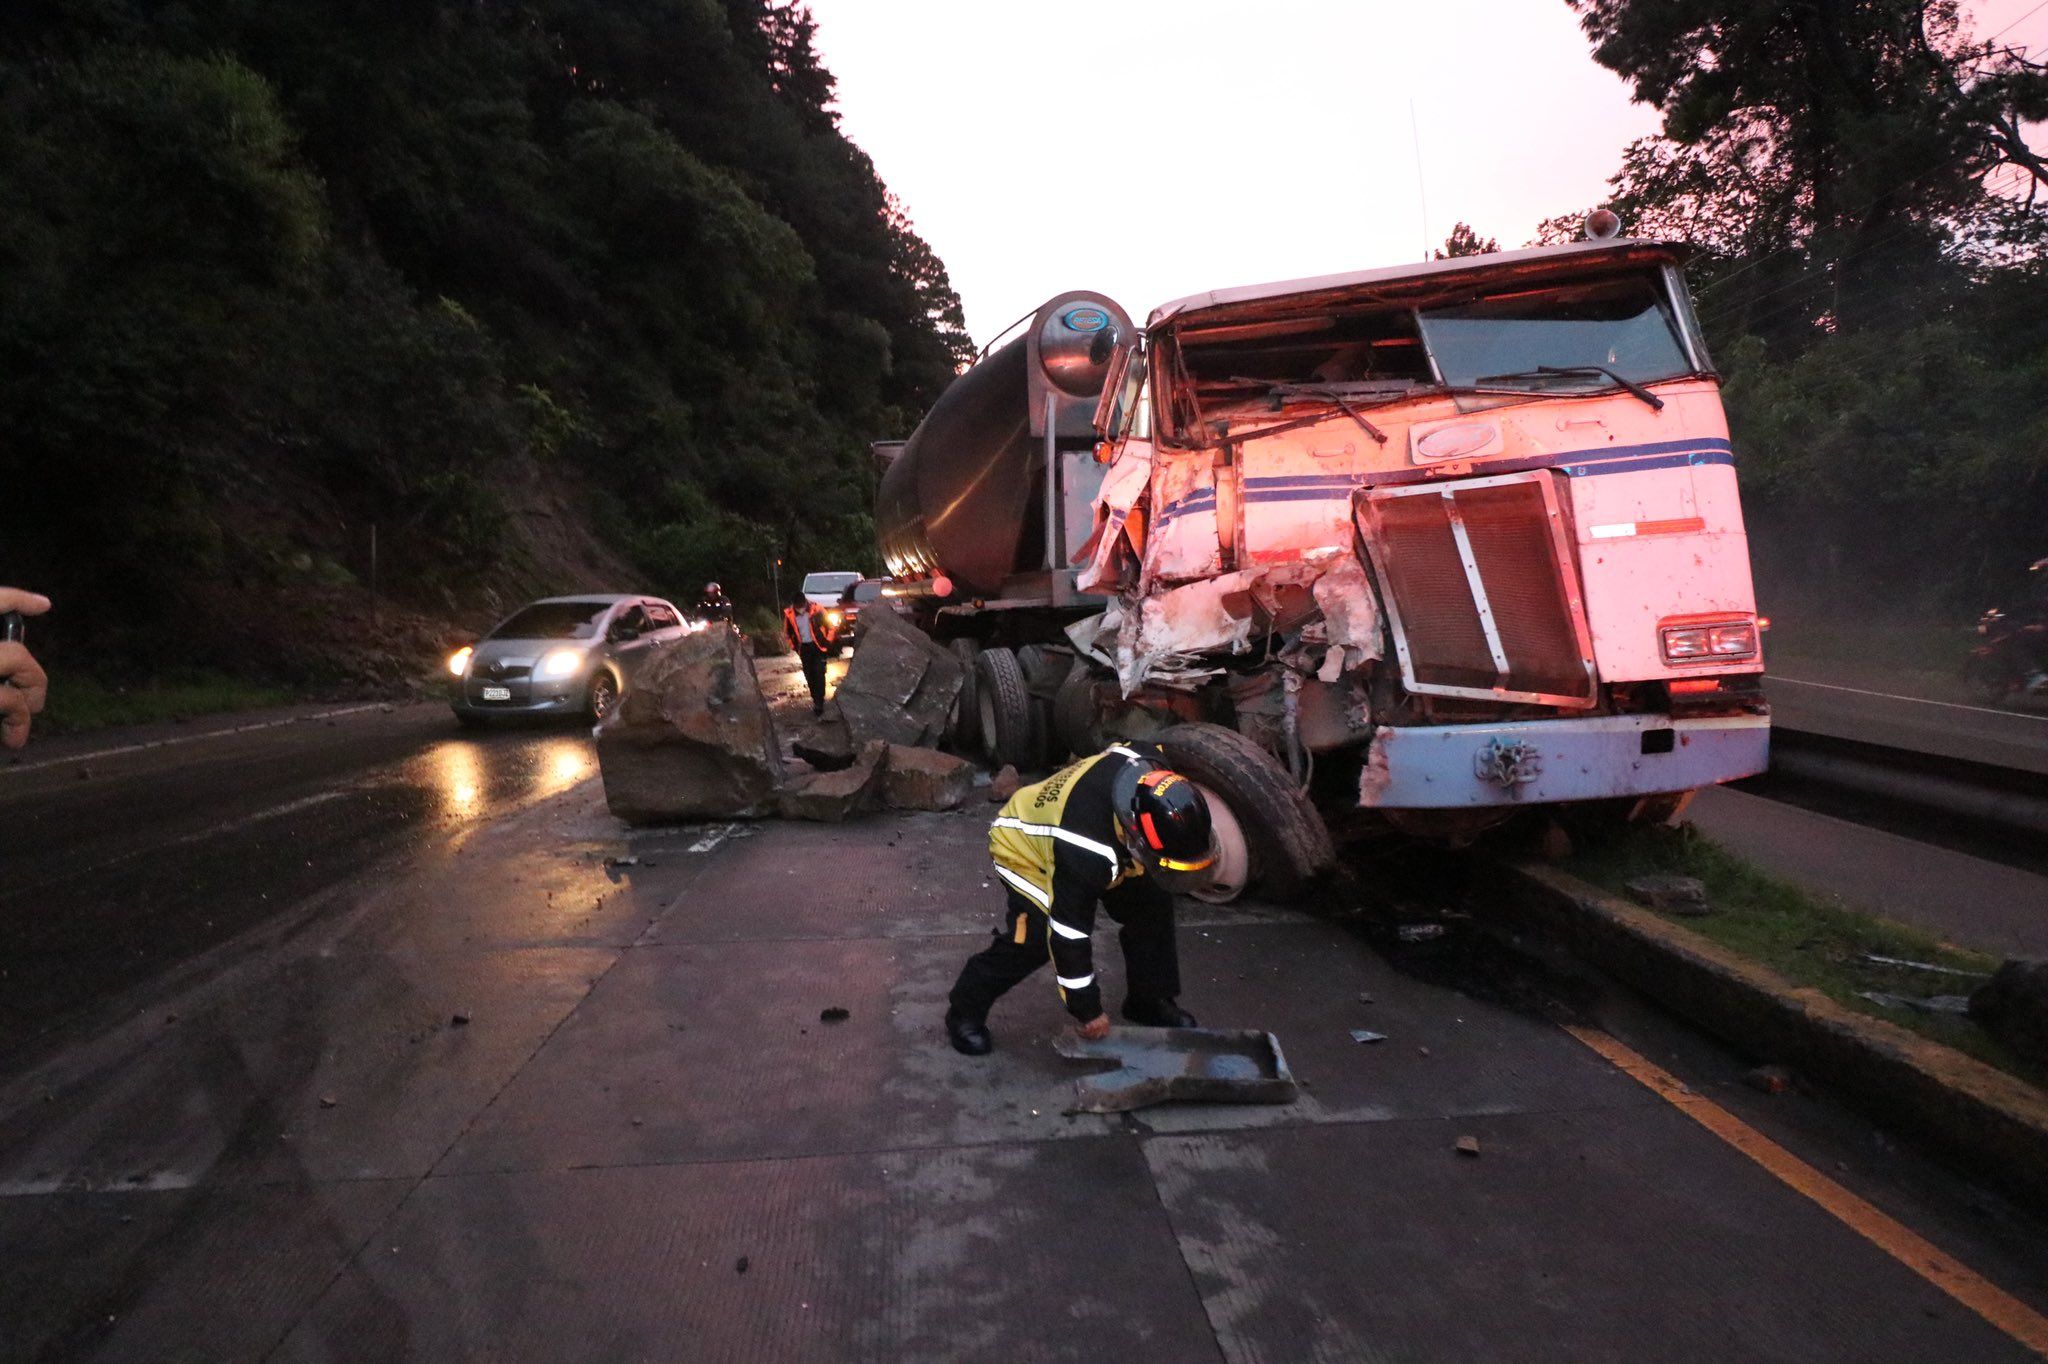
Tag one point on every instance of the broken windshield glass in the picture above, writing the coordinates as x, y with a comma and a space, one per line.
1564, 338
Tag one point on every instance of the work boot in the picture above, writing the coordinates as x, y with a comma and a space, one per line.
969, 1036
1157, 1013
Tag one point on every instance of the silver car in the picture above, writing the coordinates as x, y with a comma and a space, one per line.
560, 656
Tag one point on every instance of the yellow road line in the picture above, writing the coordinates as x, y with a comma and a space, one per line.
1908, 1247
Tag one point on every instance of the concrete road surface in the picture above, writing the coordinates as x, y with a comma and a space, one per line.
376, 1042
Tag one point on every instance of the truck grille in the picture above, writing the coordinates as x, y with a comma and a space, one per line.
1479, 581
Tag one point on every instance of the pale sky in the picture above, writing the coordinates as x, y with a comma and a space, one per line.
1154, 148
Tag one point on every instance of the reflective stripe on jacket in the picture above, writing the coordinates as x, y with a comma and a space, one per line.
1056, 844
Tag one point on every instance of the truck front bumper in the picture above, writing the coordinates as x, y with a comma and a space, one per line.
1543, 762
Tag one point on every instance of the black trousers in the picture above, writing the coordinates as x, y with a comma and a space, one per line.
813, 660
1151, 956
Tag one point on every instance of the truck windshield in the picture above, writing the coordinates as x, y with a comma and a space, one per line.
1507, 340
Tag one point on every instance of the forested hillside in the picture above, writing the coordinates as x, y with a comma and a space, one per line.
1870, 222
550, 293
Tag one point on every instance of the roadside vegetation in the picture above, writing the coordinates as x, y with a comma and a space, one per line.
1868, 221
84, 703
1809, 941
530, 296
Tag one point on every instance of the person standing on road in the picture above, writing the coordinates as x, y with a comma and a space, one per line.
23, 684
1120, 828
801, 623
716, 606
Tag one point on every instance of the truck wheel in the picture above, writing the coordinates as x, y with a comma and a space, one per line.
964, 734
1043, 671
1284, 842
1004, 703
1076, 726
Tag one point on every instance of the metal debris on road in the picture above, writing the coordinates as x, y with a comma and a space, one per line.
1926, 1004
1148, 1066
1419, 932
1925, 966
1364, 1035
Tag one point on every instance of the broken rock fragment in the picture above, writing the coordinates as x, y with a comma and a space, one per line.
1680, 894
900, 686
2013, 1006
926, 779
693, 739
830, 797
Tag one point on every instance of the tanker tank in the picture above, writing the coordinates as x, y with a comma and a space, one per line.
966, 498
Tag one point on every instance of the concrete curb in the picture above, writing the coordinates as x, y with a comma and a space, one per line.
1993, 1127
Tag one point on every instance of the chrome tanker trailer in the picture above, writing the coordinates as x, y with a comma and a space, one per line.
1430, 544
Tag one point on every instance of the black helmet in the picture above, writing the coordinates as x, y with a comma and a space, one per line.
1168, 821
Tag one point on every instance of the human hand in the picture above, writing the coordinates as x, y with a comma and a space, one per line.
1095, 1029
25, 683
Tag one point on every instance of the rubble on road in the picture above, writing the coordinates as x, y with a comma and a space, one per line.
830, 797
900, 686
926, 779
693, 739
1004, 785
1679, 894
1769, 1079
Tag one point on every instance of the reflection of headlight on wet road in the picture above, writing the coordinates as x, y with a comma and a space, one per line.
459, 775
561, 663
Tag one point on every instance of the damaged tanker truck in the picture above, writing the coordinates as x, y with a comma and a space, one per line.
1419, 547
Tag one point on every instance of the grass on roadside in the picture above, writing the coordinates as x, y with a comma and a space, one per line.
80, 704
1809, 941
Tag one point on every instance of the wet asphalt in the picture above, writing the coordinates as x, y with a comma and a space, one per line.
361, 1037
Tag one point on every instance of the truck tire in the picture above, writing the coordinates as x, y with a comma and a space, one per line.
1284, 835
964, 734
1004, 704
1076, 727
1044, 669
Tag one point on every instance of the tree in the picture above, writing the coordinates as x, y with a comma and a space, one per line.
1856, 136
1463, 241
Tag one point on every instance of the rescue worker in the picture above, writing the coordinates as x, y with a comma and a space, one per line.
803, 623
1120, 827
715, 606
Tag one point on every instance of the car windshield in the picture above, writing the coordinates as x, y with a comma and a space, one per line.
828, 584
863, 592
1621, 325
554, 620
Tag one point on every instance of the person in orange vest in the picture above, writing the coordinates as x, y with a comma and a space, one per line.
803, 623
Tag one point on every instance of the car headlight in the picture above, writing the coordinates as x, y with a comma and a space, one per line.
1706, 643
561, 663
834, 617
458, 662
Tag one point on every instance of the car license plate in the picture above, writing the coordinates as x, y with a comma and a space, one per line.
497, 693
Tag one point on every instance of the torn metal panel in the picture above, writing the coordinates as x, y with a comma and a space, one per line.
1183, 541
1120, 517
1351, 616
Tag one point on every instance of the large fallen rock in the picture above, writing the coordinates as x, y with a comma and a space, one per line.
829, 797
693, 739
900, 686
926, 779
2013, 1006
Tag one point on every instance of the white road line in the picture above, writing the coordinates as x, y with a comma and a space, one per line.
192, 738
713, 836
1893, 696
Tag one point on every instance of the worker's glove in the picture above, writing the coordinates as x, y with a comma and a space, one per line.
1096, 1028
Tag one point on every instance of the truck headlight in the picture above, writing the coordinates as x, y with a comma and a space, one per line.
458, 662
1708, 642
561, 663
